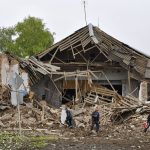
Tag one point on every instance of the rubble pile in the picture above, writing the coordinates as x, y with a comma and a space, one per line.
33, 115
114, 109
36, 114
4, 93
4, 97
83, 119
112, 106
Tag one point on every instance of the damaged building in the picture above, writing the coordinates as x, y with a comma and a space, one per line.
86, 68
85, 61
10, 71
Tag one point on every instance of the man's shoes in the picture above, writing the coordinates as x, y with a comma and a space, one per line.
93, 131
145, 130
70, 127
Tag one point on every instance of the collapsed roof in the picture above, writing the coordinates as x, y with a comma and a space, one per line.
90, 37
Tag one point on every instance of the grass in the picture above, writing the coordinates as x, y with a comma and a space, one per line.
14, 142
41, 141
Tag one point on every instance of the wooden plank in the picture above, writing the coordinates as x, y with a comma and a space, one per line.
58, 59
54, 55
129, 80
76, 87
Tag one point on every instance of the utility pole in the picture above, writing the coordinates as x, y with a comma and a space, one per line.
84, 4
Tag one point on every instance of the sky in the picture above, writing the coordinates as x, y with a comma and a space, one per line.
126, 20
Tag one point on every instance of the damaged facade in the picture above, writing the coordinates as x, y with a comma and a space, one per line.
9, 70
85, 60
86, 68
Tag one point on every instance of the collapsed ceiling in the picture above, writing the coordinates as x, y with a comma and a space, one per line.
91, 38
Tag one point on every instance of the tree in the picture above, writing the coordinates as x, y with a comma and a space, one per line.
26, 38
32, 37
6, 38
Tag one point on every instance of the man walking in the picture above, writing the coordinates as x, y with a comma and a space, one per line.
148, 123
95, 119
69, 118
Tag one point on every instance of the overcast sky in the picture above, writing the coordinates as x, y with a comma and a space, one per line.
126, 20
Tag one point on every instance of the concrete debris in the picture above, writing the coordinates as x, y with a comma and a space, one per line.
4, 94
36, 114
81, 125
78, 112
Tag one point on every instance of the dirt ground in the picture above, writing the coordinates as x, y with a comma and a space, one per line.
110, 139
121, 137
96, 143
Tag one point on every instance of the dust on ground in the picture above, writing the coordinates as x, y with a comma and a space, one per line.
109, 138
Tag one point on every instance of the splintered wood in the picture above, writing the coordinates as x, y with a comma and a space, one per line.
100, 94
37, 114
34, 114
4, 94
112, 106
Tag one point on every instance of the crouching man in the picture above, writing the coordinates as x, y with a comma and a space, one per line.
95, 119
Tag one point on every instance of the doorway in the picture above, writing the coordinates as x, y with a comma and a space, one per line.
68, 95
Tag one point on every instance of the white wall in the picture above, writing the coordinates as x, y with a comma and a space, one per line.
4, 69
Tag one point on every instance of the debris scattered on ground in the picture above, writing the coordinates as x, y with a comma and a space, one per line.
38, 116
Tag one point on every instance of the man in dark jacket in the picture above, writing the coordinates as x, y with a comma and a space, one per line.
148, 123
69, 118
95, 119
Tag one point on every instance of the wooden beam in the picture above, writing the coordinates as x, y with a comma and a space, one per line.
57, 59
102, 51
71, 48
19, 117
129, 80
76, 87
81, 55
55, 85
93, 74
78, 51
95, 58
108, 81
54, 55
85, 50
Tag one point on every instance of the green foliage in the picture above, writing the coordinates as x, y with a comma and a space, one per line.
6, 41
14, 142
31, 37
42, 141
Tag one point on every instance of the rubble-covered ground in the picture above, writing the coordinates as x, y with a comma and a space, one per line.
111, 137
120, 137
50, 134
121, 127
99, 144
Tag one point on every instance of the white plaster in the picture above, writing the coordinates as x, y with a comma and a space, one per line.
63, 116
143, 92
4, 70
